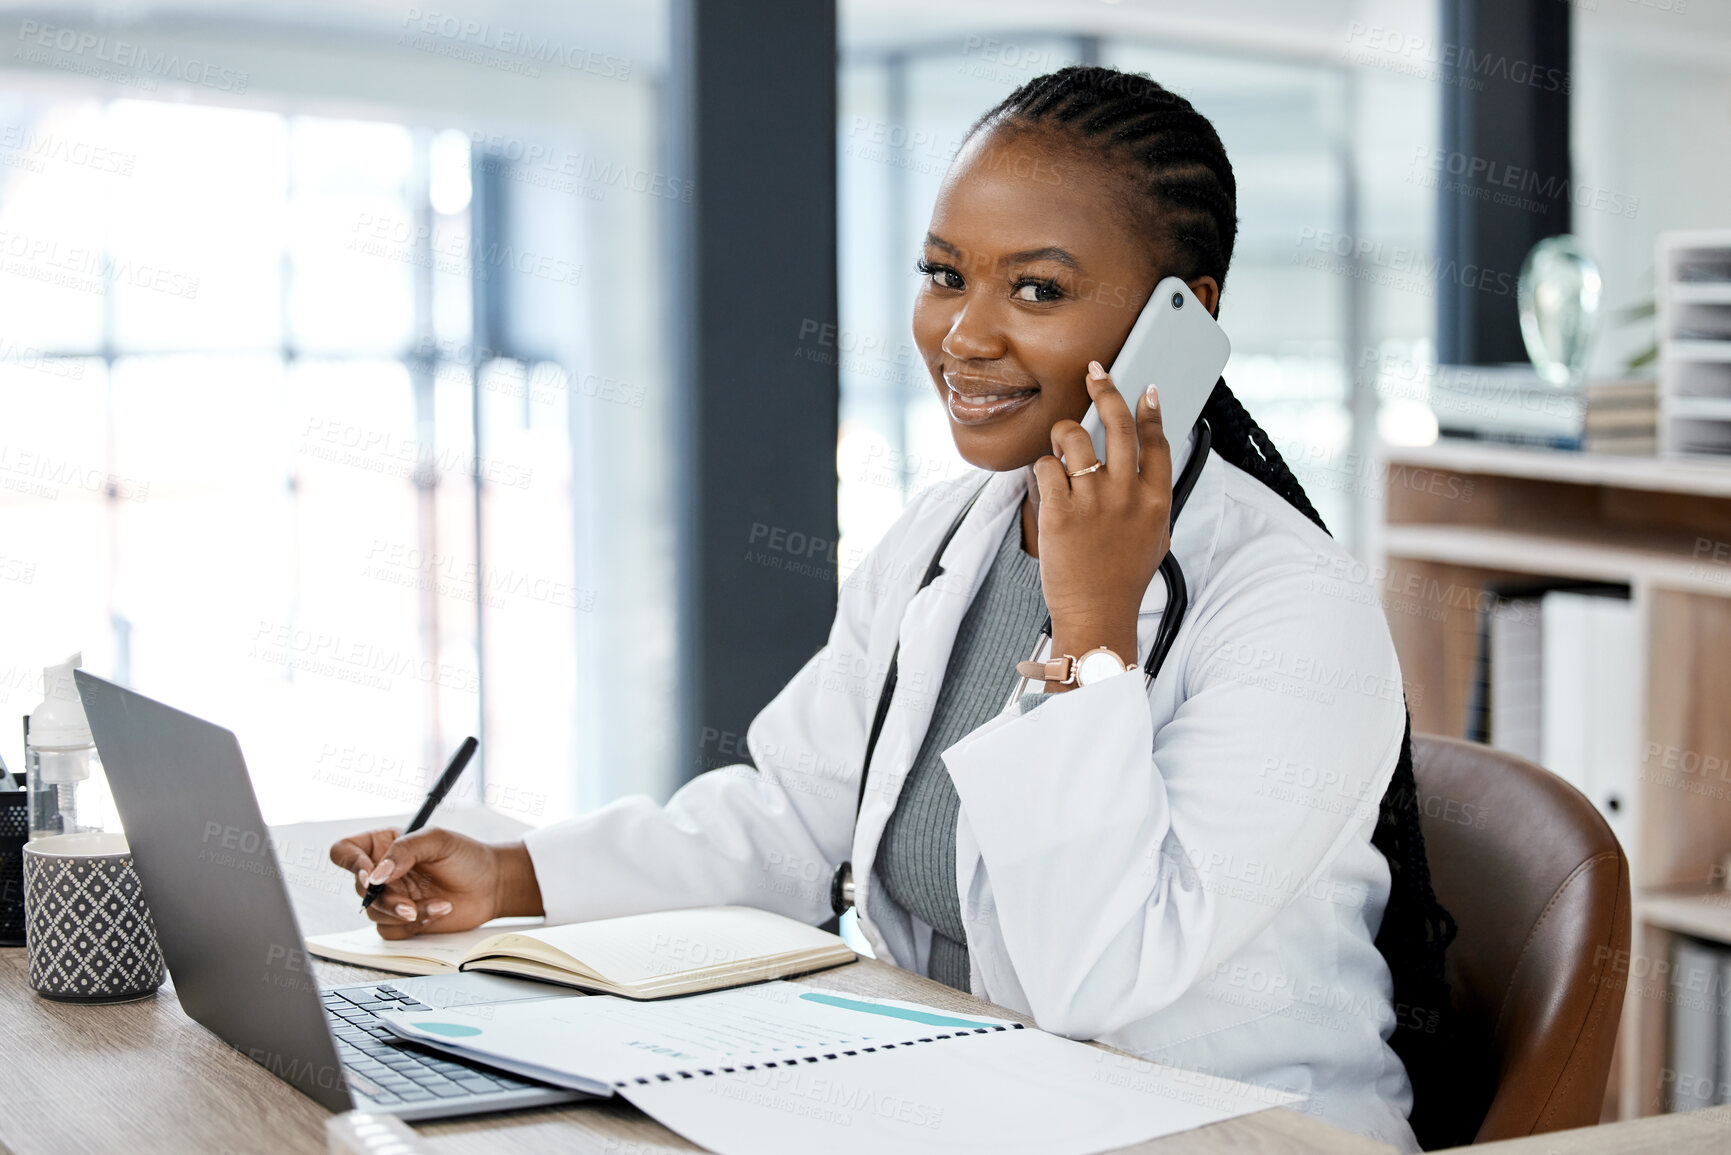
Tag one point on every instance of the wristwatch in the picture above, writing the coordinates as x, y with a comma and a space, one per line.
1096, 665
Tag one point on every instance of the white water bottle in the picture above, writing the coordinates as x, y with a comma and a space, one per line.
63, 773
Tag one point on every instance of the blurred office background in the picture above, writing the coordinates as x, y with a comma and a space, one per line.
338, 401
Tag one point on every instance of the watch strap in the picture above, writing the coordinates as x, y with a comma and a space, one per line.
1065, 669
1061, 670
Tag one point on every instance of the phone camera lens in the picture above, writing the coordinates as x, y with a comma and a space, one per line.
1177, 300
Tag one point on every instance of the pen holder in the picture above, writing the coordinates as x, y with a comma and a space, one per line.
14, 833
88, 934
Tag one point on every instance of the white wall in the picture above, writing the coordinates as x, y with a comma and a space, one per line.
1652, 122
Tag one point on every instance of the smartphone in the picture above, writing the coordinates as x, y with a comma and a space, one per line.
1175, 344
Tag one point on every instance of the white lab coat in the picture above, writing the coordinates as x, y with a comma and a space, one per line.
1183, 870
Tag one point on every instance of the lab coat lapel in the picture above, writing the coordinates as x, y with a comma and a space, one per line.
1193, 541
927, 634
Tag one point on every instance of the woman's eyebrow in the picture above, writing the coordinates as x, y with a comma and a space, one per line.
1025, 256
936, 242
1049, 253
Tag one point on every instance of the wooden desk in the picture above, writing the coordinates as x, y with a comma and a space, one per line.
1696, 1133
142, 1078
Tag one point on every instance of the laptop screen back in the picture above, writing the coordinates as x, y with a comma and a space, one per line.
211, 880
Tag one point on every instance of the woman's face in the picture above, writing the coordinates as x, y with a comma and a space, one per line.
1032, 268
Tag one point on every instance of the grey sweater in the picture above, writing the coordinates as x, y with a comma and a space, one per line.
917, 858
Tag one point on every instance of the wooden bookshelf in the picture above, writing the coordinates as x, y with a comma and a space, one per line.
1459, 516
1690, 912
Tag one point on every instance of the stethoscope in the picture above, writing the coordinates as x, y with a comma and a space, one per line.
1177, 601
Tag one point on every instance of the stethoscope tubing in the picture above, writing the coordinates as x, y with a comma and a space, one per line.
1177, 602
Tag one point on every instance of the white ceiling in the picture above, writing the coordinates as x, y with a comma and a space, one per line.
631, 28
637, 29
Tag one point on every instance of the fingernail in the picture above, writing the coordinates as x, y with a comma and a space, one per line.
1095, 369
1153, 397
406, 911
381, 872
362, 876
434, 909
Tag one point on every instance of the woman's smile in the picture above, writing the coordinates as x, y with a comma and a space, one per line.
978, 400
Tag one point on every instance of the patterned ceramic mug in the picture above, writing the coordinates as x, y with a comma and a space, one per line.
14, 832
88, 934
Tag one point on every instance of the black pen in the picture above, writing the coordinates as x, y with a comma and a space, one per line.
434, 796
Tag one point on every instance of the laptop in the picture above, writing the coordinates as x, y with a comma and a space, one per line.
229, 936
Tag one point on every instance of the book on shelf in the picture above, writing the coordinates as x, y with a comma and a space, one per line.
1557, 681
1524, 439
1632, 446
1516, 678
1722, 1073
1591, 699
1696, 1073
1619, 420
640, 956
1512, 404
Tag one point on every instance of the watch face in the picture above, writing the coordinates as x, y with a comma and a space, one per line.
1097, 667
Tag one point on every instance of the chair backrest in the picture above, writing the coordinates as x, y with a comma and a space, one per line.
1539, 889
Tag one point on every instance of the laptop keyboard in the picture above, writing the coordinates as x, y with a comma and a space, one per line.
390, 1071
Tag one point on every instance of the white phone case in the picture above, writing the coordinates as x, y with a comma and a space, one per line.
1176, 345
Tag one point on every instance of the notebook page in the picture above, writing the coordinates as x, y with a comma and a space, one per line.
1003, 1093
445, 948
639, 947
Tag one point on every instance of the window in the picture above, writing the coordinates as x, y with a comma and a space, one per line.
255, 461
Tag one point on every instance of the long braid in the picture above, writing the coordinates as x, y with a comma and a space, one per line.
1172, 152
1240, 440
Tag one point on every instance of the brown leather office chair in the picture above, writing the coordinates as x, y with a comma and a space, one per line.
1539, 889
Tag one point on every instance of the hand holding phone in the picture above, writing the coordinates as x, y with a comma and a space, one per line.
1179, 347
1098, 554
1103, 525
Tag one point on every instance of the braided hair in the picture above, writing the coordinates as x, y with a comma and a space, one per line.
1172, 153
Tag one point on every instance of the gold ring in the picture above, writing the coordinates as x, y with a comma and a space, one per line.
1090, 469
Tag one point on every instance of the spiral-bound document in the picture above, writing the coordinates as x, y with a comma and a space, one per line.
781, 1067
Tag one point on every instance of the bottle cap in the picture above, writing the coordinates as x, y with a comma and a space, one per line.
58, 723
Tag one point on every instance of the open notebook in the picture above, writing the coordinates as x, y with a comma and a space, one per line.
640, 956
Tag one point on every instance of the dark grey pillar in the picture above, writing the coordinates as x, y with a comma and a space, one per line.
752, 102
1504, 179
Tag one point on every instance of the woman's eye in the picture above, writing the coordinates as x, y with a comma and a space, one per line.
942, 276
1039, 291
